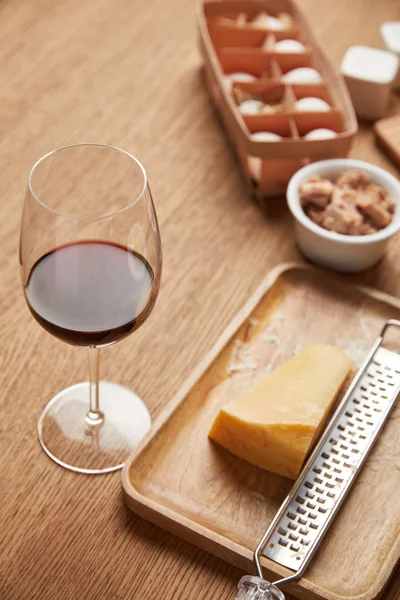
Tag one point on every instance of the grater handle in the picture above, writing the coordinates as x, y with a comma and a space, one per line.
390, 323
255, 588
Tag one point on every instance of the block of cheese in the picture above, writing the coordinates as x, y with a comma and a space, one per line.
274, 423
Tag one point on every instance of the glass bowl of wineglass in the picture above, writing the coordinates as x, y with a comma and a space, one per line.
90, 258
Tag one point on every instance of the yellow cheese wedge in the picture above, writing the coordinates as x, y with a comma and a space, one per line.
273, 424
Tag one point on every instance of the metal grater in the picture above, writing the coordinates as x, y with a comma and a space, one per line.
303, 519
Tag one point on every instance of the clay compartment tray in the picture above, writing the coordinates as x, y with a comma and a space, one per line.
229, 44
188, 485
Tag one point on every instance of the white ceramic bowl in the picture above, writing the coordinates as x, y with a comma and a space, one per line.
345, 253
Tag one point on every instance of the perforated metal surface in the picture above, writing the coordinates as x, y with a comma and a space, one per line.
321, 489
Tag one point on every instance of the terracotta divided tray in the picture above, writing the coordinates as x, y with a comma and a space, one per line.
188, 485
231, 43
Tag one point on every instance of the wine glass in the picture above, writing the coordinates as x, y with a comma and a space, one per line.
90, 256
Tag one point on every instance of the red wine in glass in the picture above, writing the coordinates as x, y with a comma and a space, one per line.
91, 293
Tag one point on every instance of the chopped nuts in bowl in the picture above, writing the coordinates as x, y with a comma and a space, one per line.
345, 212
353, 204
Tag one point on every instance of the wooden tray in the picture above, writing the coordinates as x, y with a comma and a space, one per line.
387, 133
228, 46
190, 486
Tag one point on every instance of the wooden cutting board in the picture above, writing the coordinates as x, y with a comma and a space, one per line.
387, 133
190, 486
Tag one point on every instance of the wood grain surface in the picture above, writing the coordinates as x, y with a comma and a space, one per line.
127, 72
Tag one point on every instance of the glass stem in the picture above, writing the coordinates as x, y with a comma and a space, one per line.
94, 415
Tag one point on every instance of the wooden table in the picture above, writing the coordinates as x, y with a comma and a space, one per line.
128, 73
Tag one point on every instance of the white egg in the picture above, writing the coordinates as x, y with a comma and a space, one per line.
320, 134
312, 105
267, 22
302, 75
255, 166
255, 163
251, 107
289, 46
229, 79
275, 24
265, 136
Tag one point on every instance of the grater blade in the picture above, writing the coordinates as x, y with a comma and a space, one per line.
299, 526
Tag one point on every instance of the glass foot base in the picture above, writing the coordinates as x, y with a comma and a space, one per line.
70, 441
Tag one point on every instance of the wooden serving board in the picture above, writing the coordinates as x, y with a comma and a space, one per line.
387, 132
190, 486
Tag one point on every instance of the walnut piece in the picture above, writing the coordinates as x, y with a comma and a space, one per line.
314, 178
377, 190
315, 215
354, 179
389, 203
316, 192
368, 204
365, 228
342, 214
